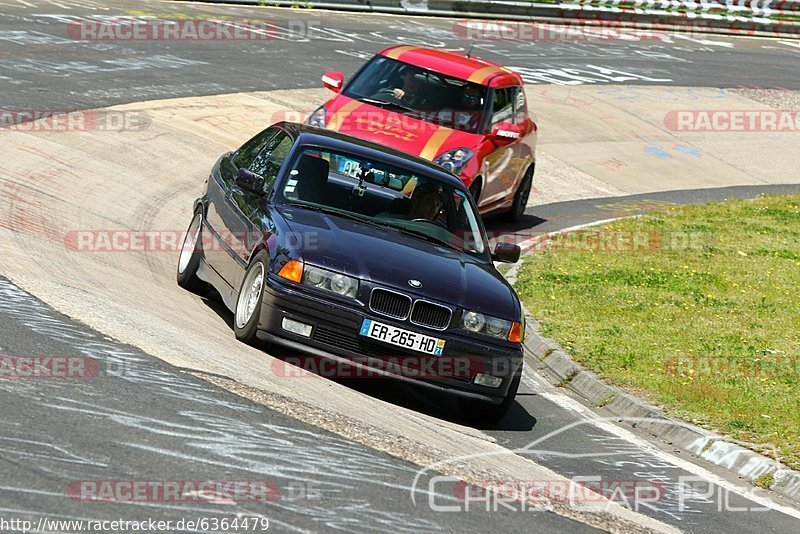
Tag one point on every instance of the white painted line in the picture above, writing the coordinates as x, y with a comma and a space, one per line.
534, 240
563, 401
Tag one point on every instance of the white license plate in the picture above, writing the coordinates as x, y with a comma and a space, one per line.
402, 338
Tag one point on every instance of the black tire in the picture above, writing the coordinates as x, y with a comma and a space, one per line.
475, 189
245, 319
189, 259
484, 412
520, 198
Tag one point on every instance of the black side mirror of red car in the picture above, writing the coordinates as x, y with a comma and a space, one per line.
333, 80
506, 132
506, 252
250, 181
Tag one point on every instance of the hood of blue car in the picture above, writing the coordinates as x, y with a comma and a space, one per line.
391, 259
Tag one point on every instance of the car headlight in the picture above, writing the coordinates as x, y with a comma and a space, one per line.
492, 326
317, 118
454, 160
338, 283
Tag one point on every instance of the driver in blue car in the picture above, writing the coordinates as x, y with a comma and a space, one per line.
426, 202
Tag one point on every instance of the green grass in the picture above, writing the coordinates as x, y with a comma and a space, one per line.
704, 321
765, 481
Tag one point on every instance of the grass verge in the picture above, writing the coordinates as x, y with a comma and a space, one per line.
696, 308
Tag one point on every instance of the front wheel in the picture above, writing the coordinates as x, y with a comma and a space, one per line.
485, 412
521, 197
248, 305
189, 260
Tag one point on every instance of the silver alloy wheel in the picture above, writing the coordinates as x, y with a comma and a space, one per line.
250, 296
189, 243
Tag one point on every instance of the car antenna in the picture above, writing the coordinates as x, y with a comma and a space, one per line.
471, 46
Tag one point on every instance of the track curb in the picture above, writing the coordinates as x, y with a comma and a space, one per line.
558, 368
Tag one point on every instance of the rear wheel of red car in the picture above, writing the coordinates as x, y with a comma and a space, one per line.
521, 198
248, 305
189, 260
485, 412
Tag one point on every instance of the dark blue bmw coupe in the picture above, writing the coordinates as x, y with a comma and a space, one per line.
347, 251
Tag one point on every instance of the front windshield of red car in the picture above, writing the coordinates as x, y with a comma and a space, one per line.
421, 93
357, 187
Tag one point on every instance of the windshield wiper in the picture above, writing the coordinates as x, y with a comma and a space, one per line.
342, 214
427, 237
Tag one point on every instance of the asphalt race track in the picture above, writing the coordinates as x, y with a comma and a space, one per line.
72, 433
179, 400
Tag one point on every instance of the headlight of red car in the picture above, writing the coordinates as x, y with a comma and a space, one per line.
454, 160
317, 118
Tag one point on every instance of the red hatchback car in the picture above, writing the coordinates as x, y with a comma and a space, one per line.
464, 113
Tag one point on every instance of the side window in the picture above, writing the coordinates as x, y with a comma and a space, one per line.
249, 151
269, 161
502, 107
520, 109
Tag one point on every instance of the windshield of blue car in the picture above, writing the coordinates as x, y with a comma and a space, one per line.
372, 191
420, 93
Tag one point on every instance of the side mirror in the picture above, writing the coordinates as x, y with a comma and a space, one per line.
333, 80
506, 252
250, 181
506, 132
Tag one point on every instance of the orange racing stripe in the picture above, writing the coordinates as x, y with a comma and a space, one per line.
480, 75
341, 114
399, 51
431, 148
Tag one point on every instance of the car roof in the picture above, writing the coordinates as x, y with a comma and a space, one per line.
311, 135
456, 64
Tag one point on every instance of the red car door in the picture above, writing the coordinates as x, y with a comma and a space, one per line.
502, 166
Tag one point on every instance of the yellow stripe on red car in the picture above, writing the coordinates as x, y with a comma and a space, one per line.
435, 142
338, 117
480, 75
395, 53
